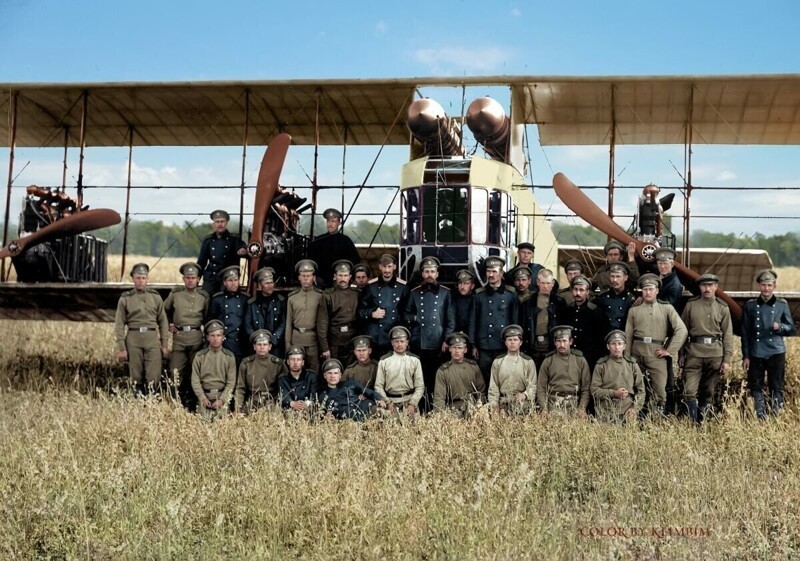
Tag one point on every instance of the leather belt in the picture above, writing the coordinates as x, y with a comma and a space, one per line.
649, 340
396, 395
142, 329
342, 328
305, 329
705, 339
188, 328
563, 394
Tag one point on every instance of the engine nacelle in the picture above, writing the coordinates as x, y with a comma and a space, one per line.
491, 126
429, 124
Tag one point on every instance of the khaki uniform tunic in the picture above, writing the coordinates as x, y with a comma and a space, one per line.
364, 374
399, 379
456, 384
185, 310
257, 384
564, 383
142, 311
611, 374
214, 377
304, 322
512, 374
710, 343
338, 322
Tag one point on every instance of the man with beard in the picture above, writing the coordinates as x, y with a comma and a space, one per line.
458, 381
382, 304
521, 279
267, 310
564, 379
339, 312
589, 326
333, 245
229, 307
615, 301
219, 250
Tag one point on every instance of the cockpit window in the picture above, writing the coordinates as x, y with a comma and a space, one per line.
444, 214
409, 219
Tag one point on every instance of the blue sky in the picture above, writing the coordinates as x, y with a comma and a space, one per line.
94, 41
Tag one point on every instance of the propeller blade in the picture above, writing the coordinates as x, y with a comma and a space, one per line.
77, 223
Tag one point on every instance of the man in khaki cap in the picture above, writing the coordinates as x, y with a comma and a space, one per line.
615, 301
512, 383
459, 381
564, 380
214, 374
671, 287
304, 318
572, 268
257, 383
464, 299
382, 304
365, 368
299, 386
141, 310
614, 252
186, 307
399, 378
220, 249
617, 382
339, 314
267, 310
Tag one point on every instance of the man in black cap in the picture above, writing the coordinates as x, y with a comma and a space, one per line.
339, 314
331, 246
304, 318
458, 381
766, 320
219, 250
229, 306
365, 368
617, 299
524, 259
614, 251
186, 308
463, 299
267, 310
382, 304
257, 383
589, 325
521, 280
361, 275
564, 380
671, 287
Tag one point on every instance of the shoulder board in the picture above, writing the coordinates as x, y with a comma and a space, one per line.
229, 353
178, 289
202, 351
693, 298
387, 355
408, 353
275, 359
152, 291
372, 361
252, 300
372, 280
525, 357
481, 289
511, 288
603, 292
416, 288
779, 299
328, 290
220, 293
130, 292
576, 352
471, 361
443, 287
400, 281
629, 359
211, 235
500, 356
250, 358
202, 293
446, 364
281, 297
318, 289
724, 303
602, 360
293, 292
551, 353
662, 301
354, 289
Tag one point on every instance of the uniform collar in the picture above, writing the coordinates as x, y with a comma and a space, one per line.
390, 282
770, 302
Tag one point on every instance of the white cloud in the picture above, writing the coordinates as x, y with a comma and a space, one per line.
726, 175
516, 12
380, 27
463, 58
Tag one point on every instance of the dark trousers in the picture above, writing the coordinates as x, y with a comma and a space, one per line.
485, 359
431, 360
774, 367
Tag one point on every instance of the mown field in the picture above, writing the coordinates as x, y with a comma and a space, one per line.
86, 472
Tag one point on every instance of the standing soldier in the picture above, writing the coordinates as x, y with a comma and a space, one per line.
431, 318
709, 348
521, 279
339, 313
458, 381
615, 302
267, 310
186, 307
671, 287
214, 373
617, 382
524, 259
512, 385
399, 378
766, 320
299, 386
564, 382
330, 246
382, 304
257, 384
303, 316
464, 299
495, 308
219, 250
614, 251
649, 326
365, 368
229, 307
142, 311
572, 269
361, 275
539, 315
589, 326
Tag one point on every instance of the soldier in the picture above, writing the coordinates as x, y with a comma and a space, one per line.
521, 276
458, 381
649, 326
186, 307
617, 382
709, 348
512, 385
219, 250
142, 311
539, 315
346, 399
671, 287
464, 299
299, 386
214, 373
615, 301
257, 384
365, 369
766, 320
330, 246
339, 312
399, 378
589, 325
431, 319
494, 309
361, 275
613, 251
382, 304
303, 316
267, 310
229, 307
572, 269
524, 259
564, 381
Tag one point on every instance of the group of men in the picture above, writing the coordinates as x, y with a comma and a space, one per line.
593, 347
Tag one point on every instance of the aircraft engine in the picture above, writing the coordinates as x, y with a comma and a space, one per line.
490, 125
429, 124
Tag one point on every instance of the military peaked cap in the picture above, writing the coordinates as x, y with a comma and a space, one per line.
342, 266
140, 269
495, 262
573, 265
230, 272
265, 274
306, 266
708, 278
332, 364
521, 271
512, 330
562, 332
582, 280
464, 275
616, 335
399, 332
526, 245
619, 267
458, 339
429, 263
214, 325
613, 244
361, 267
217, 214
664, 254
332, 213
387, 259
767, 275
361, 342
295, 350
649, 279
261, 336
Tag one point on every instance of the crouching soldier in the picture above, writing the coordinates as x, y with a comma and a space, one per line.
346, 399
458, 381
399, 378
257, 385
512, 382
365, 368
214, 373
299, 386
617, 382
564, 379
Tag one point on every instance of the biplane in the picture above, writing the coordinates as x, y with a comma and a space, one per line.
449, 202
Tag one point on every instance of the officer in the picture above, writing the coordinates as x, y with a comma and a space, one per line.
524, 258
614, 252
564, 381
346, 399
304, 319
495, 307
766, 320
657, 334
186, 307
589, 325
298, 388
617, 382
382, 304
617, 299
671, 287
431, 318
365, 368
267, 310
214, 373
512, 384
399, 378
229, 307
539, 315
572, 269
709, 347
331, 246
459, 381
521, 280
257, 384
464, 299
142, 311
361, 276
219, 250
339, 314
